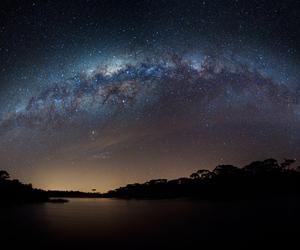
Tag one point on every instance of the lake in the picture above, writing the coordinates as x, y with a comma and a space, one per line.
148, 224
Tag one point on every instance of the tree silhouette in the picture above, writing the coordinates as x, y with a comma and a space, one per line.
194, 176
4, 175
15, 191
286, 163
157, 181
263, 167
183, 180
203, 173
257, 179
226, 170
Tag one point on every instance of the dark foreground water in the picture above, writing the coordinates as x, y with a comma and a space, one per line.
154, 224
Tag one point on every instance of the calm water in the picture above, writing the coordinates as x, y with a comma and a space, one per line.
148, 224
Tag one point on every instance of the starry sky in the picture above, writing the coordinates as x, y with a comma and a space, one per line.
98, 94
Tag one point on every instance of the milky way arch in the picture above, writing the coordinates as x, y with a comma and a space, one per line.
207, 110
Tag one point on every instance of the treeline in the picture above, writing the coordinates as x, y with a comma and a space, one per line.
72, 194
257, 179
15, 191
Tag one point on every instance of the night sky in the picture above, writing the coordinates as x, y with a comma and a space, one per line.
98, 94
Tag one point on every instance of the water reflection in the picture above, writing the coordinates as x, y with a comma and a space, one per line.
146, 224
